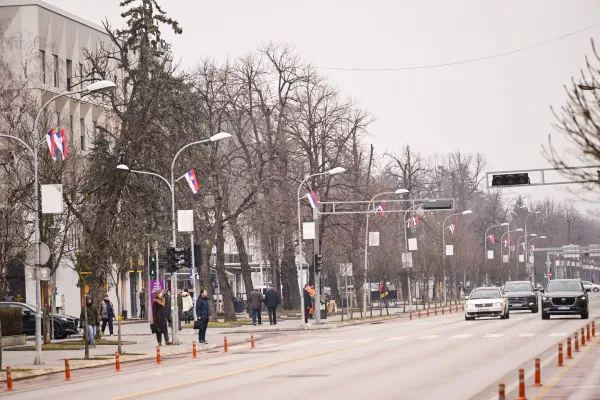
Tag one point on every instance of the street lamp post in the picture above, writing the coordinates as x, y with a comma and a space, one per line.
299, 263
171, 185
524, 251
413, 207
367, 287
97, 87
508, 232
485, 246
527, 249
528, 244
466, 212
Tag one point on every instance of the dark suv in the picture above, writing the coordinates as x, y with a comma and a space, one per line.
565, 297
64, 325
521, 296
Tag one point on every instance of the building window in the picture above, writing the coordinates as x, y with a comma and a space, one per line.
82, 133
55, 63
69, 74
43, 66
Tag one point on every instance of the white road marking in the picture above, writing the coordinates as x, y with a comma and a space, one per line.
526, 334
397, 338
424, 323
428, 337
460, 336
365, 340
494, 335
558, 334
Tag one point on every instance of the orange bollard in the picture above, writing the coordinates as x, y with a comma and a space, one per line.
428, 312
449, 309
501, 391
8, 379
410, 316
419, 312
594, 328
442, 310
560, 355
225, 344
538, 373
67, 370
576, 343
463, 307
194, 352
158, 354
582, 337
521, 385
117, 362
569, 353
252, 340
587, 328
457, 308
435, 311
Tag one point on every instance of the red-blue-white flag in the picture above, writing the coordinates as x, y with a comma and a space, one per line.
51, 144
492, 238
452, 228
381, 210
60, 140
312, 198
190, 176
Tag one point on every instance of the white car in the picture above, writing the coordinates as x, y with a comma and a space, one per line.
592, 286
486, 302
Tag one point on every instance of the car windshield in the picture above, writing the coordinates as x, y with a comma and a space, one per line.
517, 287
484, 294
564, 287
586, 283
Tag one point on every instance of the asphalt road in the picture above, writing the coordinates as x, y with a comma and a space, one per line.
443, 357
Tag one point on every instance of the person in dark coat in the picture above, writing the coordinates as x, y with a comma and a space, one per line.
142, 304
93, 320
203, 314
256, 302
107, 312
159, 315
272, 298
307, 304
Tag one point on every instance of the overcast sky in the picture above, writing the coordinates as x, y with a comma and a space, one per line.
499, 107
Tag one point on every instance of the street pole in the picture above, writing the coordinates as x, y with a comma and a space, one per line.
316, 250
466, 212
485, 236
149, 288
196, 284
157, 276
406, 249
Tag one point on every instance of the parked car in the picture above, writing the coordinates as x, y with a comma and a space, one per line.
64, 325
593, 286
486, 302
521, 296
565, 297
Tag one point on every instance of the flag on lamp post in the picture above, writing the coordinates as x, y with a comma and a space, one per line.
452, 228
312, 198
492, 238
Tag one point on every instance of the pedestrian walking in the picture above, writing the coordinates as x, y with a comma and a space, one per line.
159, 315
168, 307
307, 303
107, 312
204, 315
93, 320
272, 299
256, 302
188, 306
142, 304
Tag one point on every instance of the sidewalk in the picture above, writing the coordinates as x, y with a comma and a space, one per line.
579, 381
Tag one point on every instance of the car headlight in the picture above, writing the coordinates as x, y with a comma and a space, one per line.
470, 305
498, 304
582, 297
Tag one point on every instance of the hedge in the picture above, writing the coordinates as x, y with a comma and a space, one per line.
12, 321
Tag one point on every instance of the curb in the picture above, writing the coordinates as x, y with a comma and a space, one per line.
18, 376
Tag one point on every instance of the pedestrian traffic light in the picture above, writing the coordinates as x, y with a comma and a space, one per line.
318, 262
152, 267
510, 179
175, 258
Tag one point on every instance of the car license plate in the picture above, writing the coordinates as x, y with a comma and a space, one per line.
483, 310
517, 305
564, 308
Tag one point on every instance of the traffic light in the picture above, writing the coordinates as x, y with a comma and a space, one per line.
438, 205
318, 262
510, 179
175, 258
197, 255
152, 268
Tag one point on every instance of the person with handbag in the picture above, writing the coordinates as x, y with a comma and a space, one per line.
159, 313
204, 315
187, 305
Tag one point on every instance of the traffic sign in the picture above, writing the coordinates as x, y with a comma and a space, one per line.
549, 274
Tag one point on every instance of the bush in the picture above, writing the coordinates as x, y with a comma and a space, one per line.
12, 321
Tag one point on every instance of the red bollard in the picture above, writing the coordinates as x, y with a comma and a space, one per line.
9, 385
457, 308
582, 337
576, 343
588, 337
67, 370
521, 385
117, 362
449, 309
501, 391
225, 344
442, 310
569, 353
428, 312
194, 353
594, 328
560, 355
158, 354
410, 316
538, 373
419, 312
251, 340
435, 311
463, 307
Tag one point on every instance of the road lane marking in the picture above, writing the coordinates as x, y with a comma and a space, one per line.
558, 334
428, 337
460, 336
365, 340
232, 373
526, 334
494, 335
424, 323
397, 338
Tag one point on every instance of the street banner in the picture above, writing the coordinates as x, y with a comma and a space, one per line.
52, 199
412, 244
490, 254
185, 220
308, 230
505, 258
373, 238
521, 257
449, 250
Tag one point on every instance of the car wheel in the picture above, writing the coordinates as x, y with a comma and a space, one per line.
545, 315
57, 334
535, 310
585, 315
596, 290
469, 318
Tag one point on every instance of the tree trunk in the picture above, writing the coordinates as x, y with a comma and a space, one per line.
289, 276
225, 288
241, 247
1, 347
46, 321
335, 291
204, 274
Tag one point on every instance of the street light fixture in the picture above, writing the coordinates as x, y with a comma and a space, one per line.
466, 212
367, 288
587, 87
220, 136
299, 264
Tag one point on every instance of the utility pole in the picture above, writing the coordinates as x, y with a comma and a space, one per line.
193, 266
316, 251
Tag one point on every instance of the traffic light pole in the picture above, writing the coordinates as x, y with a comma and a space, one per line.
196, 283
149, 289
316, 251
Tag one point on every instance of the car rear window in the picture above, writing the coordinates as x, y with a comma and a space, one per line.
517, 287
